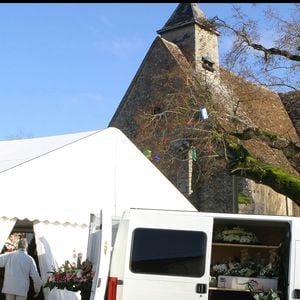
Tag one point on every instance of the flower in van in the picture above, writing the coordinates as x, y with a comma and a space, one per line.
252, 284
235, 235
219, 268
258, 295
248, 266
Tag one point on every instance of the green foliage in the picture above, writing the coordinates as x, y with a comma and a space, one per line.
243, 199
269, 295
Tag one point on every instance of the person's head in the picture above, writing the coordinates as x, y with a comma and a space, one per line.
23, 244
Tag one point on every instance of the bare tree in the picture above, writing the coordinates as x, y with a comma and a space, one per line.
276, 66
181, 133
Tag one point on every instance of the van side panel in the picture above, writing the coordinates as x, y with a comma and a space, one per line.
140, 271
159, 253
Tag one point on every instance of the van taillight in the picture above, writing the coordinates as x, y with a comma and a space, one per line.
112, 288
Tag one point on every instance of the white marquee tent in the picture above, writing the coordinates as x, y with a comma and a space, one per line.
56, 182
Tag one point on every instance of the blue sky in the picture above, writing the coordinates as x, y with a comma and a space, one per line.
64, 68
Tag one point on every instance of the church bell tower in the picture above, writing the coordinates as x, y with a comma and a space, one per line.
190, 30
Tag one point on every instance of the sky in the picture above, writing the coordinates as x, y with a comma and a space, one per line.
64, 68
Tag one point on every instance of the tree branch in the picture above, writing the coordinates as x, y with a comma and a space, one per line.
290, 149
245, 37
244, 165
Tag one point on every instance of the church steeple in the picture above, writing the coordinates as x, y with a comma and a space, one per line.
190, 30
185, 14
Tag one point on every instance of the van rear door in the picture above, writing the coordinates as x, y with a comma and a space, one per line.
295, 260
168, 256
98, 252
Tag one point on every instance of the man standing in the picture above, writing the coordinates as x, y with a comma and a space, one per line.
18, 267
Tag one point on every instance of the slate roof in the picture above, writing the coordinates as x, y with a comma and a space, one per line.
263, 109
184, 14
291, 101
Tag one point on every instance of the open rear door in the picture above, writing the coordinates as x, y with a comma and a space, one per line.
98, 252
168, 256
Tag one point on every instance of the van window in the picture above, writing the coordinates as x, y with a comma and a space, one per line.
168, 252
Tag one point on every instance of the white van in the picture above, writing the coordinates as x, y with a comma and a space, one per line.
173, 255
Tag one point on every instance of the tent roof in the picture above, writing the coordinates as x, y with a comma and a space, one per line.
16, 152
65, 178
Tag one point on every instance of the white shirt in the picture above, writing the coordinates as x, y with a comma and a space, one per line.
18, 267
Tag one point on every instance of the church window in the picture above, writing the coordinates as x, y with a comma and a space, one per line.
207, 63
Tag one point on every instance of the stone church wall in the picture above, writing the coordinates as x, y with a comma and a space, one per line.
263, 200
148, 89
158, 79
215, 194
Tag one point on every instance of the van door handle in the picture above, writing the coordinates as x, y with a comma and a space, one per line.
296, 294
201, 288
120, 282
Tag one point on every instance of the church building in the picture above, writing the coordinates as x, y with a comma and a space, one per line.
171, 108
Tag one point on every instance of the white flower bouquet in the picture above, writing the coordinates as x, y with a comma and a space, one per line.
235, 235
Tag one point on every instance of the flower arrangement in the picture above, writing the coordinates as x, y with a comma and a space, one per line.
247, 266
11, 243
235, 235
72, 278
270, 295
